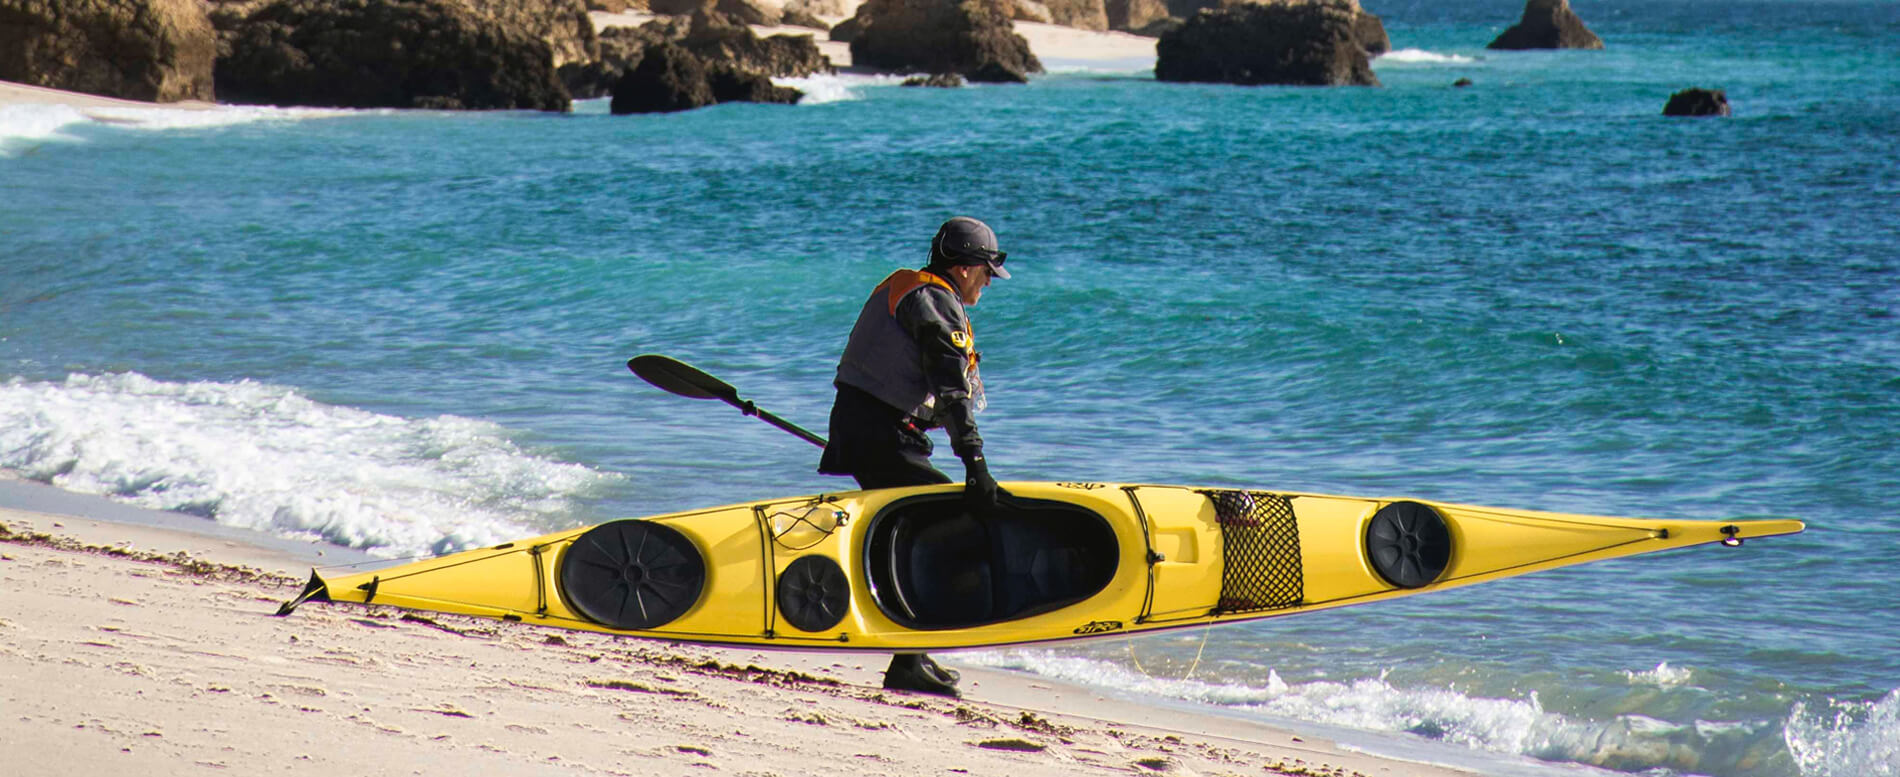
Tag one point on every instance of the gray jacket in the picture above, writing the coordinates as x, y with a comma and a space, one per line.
913, 349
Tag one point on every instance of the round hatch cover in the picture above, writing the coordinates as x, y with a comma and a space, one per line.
813, 593
1409, 544
632, 574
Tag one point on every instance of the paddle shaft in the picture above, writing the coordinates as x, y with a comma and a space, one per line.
678, 377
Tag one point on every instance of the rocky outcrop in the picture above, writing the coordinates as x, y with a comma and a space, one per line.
972, 38
1290, 42
620, 50
1370, 30
1080, 14
718, 39
1697, 102
799, 17
672, 78
1031, 11
442, 54
711, 36
761, 12
562, 24
1135, 16
847, 30
1548, 24
1368, 27
939, 81
152, 50
817, 7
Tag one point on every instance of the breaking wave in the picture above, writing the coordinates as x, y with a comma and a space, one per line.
24, 124
1833, 740
267, 458
1421, 56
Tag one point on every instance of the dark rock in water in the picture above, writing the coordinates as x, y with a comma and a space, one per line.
1548, 24
973, 38
1368, 27
731, 85
793, 56
673, 78
1697, 102
940, 81
1295, 43
1370, 30
437, 54
1134, 15
620, 50
152, 50
710, 35
1159, 27
668, 78
1462, 82
847, 30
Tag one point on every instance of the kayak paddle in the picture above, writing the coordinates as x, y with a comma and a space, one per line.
678, 377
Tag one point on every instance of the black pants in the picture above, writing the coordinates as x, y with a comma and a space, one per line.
876, 444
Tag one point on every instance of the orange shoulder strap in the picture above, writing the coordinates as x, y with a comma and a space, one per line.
904, 282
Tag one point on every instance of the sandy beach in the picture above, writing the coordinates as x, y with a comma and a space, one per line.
138, 649
12, 93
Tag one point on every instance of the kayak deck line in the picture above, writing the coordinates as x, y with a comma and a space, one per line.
907, 569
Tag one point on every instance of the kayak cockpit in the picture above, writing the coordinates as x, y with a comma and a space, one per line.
933, 565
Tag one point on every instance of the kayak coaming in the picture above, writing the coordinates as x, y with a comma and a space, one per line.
1169, 573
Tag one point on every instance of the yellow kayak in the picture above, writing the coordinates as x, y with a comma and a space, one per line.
909, 569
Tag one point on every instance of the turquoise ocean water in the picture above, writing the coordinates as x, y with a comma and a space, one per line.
406, 331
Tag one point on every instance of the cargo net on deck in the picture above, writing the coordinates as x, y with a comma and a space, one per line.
1260, 548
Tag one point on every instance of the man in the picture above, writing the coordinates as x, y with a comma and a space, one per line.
910, 366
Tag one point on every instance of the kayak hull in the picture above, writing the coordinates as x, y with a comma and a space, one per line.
907, 569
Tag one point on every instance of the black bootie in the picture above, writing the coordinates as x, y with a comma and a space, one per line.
908, 673
947, 674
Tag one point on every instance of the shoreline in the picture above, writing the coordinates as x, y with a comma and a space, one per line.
1056, 46
130, 646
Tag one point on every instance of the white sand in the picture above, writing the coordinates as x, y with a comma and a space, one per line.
12, 93
168, 662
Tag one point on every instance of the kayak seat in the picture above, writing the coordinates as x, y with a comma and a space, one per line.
945, 570
933, 565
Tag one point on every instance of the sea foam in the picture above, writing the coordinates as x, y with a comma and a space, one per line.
1840, 741
27, 123
1421, 56
266, 457
830, 88
1847, 738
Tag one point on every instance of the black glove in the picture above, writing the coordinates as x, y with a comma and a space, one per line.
979, 490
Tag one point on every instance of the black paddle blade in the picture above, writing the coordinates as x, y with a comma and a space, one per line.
680, 378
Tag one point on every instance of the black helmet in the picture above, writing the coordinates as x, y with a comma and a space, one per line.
966, 241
